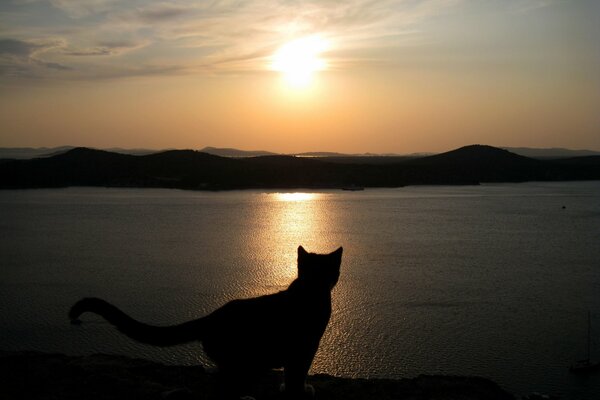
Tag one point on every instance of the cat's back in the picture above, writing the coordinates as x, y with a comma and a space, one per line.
282, 313
249, 329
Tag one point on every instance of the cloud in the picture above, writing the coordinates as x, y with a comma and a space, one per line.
53, 65
525, 6
98, 51
17, 48
21, 58
104, 48
221, 36
258, 29
83, 8
161, 13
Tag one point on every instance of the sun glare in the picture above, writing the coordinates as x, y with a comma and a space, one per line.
297, 196
298, 60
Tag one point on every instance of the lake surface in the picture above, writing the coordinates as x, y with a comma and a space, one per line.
491, 280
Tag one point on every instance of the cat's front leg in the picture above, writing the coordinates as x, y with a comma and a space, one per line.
309, 392
295, 373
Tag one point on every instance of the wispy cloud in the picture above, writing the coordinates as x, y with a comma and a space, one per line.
162, 12
105, 48
20, 58
96, 51
84, 8
222, 35
17, 48
525, 6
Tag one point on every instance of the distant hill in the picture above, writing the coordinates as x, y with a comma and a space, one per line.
551, 153
478, 163
135, 152
322, 154
366, 159
229, 152
25, 153
189, 169
334, 157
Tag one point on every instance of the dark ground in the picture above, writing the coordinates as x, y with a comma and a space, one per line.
33, 375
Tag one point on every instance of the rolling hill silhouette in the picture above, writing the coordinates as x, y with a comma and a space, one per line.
188, 169
477, 163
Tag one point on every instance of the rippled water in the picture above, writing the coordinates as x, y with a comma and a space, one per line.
492, 280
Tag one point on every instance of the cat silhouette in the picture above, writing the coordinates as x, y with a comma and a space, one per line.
243, 337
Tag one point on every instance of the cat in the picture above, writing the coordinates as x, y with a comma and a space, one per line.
280, 330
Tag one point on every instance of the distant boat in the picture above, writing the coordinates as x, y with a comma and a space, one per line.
586, 365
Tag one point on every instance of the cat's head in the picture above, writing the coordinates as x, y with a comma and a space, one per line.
319, 269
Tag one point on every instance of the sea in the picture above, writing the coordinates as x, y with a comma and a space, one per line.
495, 280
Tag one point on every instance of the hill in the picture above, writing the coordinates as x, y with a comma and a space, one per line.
551, 153
478, 163
229, 152
189, 169
25, 153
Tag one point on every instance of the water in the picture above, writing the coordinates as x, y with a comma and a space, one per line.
492, 280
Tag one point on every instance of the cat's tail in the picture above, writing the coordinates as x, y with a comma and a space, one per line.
154, 335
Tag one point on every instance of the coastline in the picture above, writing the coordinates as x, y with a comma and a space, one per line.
37, 375
192, 170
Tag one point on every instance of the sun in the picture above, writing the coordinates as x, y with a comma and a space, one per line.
298, 60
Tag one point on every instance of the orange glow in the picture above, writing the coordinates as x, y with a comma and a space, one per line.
349, 77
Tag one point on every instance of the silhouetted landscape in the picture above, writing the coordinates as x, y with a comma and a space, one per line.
196, 170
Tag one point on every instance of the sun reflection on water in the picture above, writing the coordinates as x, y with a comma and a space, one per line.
291, 219
296, 196
307, 219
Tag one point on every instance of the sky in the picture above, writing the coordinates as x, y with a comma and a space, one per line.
352, 76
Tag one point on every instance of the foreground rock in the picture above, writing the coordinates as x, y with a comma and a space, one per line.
32, 375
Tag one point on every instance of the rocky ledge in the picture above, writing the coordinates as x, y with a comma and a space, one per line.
34, 375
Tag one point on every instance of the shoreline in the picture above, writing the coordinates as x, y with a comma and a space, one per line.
193, 170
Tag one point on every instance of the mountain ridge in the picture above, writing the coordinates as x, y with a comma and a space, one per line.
22, 153
192, 169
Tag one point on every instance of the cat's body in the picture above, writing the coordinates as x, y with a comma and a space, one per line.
245, 336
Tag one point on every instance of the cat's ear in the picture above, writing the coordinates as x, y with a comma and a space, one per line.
301, 251
338, 253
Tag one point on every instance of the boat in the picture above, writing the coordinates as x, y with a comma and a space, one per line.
586, 365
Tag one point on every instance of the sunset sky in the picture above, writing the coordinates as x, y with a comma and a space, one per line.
291, 76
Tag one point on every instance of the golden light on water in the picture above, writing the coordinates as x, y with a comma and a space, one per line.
294, 219
298, 60
297, 196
